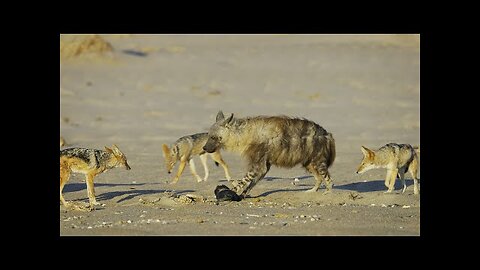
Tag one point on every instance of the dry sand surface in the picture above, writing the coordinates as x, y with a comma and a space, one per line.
139, 91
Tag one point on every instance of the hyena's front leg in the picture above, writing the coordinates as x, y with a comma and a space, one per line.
256, 173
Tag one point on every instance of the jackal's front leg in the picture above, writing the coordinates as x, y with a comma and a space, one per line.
181, 167
256, 173
391, 177
91, 190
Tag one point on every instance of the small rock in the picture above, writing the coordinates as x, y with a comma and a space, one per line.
406, 206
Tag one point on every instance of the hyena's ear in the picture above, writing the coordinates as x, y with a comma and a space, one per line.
166, 150
367, 152
229, 120
116, 150
220, 116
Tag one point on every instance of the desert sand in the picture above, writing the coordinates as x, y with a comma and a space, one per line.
139, 91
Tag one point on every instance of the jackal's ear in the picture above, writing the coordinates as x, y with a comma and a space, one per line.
367, 152
166, 150
108, 150
220, 116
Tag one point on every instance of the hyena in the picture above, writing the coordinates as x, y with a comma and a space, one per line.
397, 159
274, 140
89, 162
184, 149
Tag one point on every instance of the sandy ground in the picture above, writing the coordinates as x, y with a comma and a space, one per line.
154, 89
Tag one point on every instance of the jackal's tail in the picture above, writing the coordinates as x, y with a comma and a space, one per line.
330, 149
216, 163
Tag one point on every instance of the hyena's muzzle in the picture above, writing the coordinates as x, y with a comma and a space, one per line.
211, 146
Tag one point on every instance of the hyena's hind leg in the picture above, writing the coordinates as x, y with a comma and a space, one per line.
218, 158
256, 173
64, 177
413, 169
320, 173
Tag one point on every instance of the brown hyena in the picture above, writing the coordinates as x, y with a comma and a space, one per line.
274, 140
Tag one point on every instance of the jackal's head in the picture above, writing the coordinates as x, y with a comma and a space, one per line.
367, 161
118, 158
218, 132
171, 156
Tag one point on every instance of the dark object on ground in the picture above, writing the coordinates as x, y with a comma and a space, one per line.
135, 53
223, 193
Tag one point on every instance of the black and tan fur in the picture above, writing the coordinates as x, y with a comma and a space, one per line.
184, 149
274, 140
397, 159
89, 162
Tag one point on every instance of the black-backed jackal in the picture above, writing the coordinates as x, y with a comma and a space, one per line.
397, 159
89, 162
274, 140
184, 149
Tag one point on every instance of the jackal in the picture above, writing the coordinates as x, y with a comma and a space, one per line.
274, 140
89, 162
397, 159
184, 149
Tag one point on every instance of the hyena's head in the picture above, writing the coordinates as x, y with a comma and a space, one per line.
170, 155
218, 132
118, 158
367, 161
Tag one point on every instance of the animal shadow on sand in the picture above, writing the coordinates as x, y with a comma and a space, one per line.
369, 186
132, 193
374, 185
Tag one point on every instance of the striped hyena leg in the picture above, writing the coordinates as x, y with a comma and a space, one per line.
256, 173
320, 173
64, 176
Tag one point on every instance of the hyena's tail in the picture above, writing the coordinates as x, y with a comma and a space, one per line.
416, 148
330, 149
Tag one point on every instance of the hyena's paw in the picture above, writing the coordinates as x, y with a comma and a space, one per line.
328, 191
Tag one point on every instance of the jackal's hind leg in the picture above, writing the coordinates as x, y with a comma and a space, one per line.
218, 158
203, 159
64, 177
194, 171
413, 169
401, 175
